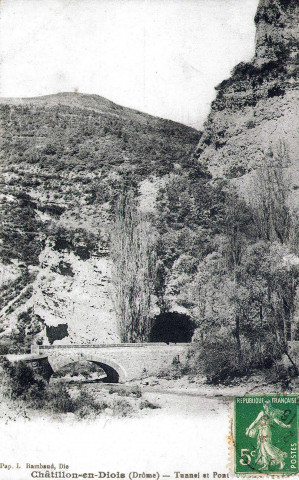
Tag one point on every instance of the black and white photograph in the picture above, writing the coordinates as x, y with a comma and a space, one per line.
149, 253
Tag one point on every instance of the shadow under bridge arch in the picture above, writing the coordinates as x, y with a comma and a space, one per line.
114, 371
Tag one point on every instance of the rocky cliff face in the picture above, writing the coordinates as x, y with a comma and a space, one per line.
66, 300
276, 31
257, 107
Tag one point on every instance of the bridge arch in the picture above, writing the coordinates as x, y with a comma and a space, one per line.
114, 371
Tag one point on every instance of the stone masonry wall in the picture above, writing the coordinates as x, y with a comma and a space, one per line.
136, 360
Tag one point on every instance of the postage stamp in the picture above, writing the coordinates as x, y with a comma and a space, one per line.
266, 434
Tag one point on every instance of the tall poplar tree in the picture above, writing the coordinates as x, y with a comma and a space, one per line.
133, 273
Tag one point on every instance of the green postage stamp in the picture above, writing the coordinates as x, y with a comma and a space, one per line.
266, 434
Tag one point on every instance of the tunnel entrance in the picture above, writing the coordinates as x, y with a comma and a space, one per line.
172, 327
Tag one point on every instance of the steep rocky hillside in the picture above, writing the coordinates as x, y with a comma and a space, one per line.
64, 160
258, 105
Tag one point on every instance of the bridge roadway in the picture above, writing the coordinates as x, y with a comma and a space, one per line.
121, 362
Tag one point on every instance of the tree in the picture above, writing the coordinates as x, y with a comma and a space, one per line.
272, 216
237, 220
275, 222
134, 265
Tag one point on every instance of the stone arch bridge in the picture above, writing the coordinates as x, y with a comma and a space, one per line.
121, 362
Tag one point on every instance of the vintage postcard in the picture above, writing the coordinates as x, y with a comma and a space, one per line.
149, 260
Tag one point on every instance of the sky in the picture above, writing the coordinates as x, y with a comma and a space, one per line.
163, 57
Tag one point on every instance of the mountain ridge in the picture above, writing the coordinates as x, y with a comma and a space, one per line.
90, 101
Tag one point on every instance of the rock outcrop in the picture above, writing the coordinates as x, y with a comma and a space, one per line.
257, 107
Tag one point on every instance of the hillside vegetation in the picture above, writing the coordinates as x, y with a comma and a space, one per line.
65, 159
112, 222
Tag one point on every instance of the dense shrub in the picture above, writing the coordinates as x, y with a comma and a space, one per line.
282, 374
122, 407
218, 359
28, 325
134, 391
147, 404
21, 384
174, 371
19, 381
4, 349
58, 400
86, 406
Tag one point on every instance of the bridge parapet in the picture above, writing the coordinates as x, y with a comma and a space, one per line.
40, 348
